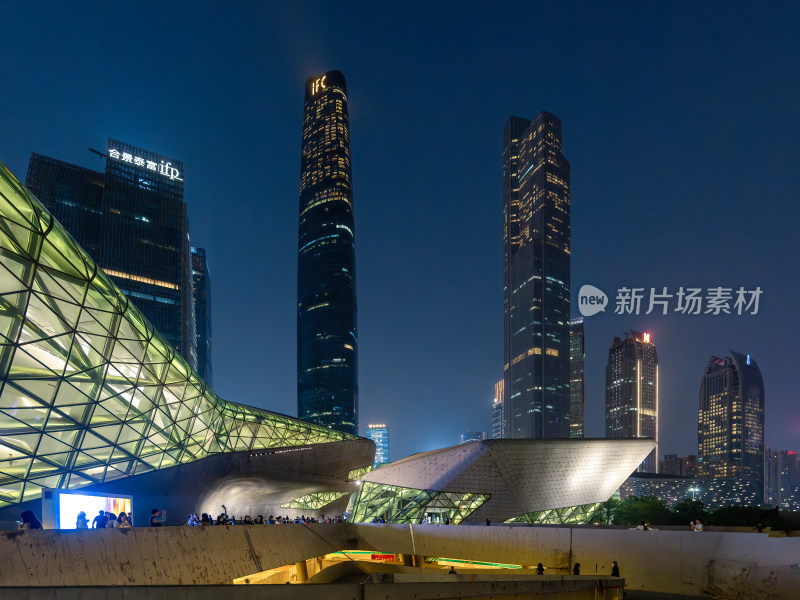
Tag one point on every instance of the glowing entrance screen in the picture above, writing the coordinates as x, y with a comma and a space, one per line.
70, 505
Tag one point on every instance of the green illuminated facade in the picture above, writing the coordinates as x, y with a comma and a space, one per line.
397, 504
314, 501
571, 515
90, 392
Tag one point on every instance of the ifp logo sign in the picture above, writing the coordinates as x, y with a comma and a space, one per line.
591, 300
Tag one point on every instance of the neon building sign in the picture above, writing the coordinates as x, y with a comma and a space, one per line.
319, 84
163, 168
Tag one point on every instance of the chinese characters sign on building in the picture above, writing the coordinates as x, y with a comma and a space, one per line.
162, 168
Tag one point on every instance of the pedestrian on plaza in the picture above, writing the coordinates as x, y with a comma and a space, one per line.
29, 521
614, 569
99, 522
123, 521
540, 569
452, 570
157, 517
576, 570
697, 525
82, 522
642, 527
112, 520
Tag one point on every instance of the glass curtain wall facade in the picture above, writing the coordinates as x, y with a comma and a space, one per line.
731, 419
536, 270
133, 222
577, 354
90, 391
201, 293
632, 392
327, 338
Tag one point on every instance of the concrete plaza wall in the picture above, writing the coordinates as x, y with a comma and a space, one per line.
677, 562
680, 562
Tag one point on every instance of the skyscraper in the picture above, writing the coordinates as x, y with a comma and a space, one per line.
632, 392
730, 433
379, 433
201, 291
577, 353
498, 418
327, 338
133, 221
536, 271
781, 477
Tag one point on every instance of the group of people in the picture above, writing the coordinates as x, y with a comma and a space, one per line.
224, 519
105, 519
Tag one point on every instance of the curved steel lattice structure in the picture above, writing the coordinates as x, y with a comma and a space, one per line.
90, 392
314, 501
398, 504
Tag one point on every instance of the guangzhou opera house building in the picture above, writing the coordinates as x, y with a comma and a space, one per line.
94, 400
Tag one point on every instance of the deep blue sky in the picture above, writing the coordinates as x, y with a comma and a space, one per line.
680, 122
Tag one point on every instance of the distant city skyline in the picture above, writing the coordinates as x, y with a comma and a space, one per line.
647, 212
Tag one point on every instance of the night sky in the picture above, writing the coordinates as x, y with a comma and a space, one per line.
681, 125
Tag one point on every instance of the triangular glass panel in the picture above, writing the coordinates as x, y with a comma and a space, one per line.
42, 389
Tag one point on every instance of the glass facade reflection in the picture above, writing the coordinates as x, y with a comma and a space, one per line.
536, 271
327, 338
90, 391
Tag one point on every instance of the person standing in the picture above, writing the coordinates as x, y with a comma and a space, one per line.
697, 526
29, 521
540, 569
157, 517
576, 570
614, 569
99, 522
82, 522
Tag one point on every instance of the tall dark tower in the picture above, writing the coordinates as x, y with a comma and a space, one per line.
536, 249
327, 338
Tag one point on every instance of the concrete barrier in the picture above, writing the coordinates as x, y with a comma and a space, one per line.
680, 562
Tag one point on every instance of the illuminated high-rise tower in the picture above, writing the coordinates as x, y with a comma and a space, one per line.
498, 416
327, 338
577, 354
379, 433
730, 436
536, 244
632, 392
